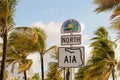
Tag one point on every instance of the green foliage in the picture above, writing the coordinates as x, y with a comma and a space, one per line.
104, 5
41, 43
80, 74
17, 52
7, 9
24, 35
54, 73
116, 24
108, 5
41, 47
15, 79
32, 39
102, 62
36, 77
26, 64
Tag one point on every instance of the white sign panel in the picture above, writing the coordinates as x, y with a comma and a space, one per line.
71, 39
71, 57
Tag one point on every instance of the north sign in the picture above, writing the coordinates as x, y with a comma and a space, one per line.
71, 39
71, 57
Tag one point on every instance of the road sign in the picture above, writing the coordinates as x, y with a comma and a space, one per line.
71, 39
71, 57
70, 26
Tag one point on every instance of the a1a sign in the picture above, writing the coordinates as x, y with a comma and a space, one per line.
71, 57
71, 39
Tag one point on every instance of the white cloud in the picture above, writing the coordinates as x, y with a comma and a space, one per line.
35, 58
85, 38
39, 24
87, 52
82, 27
37, 62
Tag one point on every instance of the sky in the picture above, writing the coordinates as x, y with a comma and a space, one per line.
55, 12
50, 15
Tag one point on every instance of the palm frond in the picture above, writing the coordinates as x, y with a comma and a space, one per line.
118, 67
7, 9
101, 32
26, 64
24, 35
54, 71
24, 31
107, 74
116, 24
116, 12
41, 39
53, 48
105, 5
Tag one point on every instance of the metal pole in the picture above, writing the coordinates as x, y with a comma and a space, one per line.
68, 70
64, 74
67, 74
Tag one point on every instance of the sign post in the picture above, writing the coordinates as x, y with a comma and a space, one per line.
71, 57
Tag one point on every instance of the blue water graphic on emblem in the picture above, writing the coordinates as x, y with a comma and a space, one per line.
71, 26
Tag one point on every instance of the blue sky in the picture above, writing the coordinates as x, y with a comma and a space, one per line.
52, 13
29, 12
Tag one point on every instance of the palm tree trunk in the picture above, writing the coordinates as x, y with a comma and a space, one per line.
25, 75
113, 75
42, 67
3, 63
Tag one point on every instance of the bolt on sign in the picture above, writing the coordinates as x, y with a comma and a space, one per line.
71, 39
71, 57
70, 26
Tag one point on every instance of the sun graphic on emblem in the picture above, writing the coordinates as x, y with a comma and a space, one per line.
70, 26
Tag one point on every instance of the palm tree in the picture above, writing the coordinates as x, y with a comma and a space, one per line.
102, 62
54, 73
108, 5
41, 47
103, 52
34, 40
18, 52
7, 8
